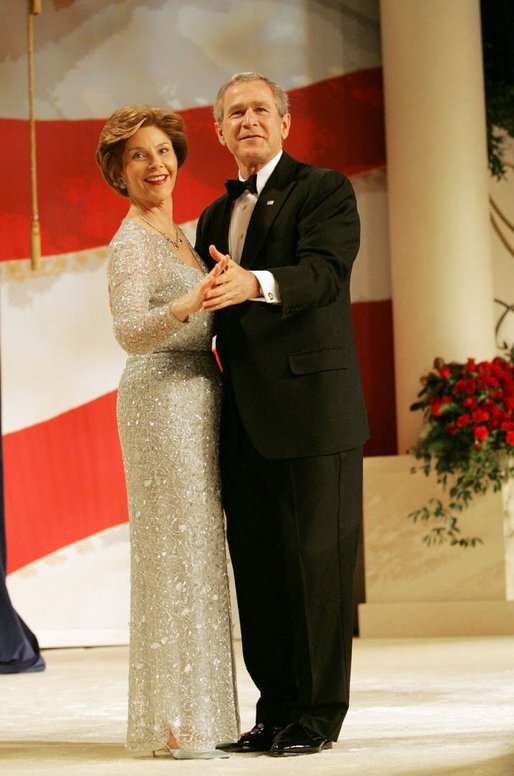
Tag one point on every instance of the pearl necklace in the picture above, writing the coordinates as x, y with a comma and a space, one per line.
177, 242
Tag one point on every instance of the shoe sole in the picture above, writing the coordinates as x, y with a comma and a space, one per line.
241, 750
184, 754
327, 745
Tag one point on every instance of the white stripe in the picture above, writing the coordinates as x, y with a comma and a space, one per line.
78, 595
93, 56
58, 350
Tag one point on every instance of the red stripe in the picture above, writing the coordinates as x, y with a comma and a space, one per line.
336, 123
373, 324
63, 481
64, 478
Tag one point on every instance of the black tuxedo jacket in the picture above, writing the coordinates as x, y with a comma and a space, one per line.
293, 366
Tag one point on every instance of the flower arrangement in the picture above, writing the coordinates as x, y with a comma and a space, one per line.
467, 439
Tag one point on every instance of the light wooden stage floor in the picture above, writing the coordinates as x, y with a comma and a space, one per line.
419, 707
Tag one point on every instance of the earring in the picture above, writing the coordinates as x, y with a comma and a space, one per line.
121, 184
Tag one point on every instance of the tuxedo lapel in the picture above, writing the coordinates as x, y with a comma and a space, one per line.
269, 204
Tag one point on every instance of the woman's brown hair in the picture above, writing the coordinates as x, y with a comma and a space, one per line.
124, 123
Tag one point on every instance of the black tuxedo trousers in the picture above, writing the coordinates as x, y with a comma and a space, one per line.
293, 527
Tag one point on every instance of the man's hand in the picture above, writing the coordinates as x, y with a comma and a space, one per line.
233, 286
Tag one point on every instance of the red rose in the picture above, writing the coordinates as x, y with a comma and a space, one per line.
500, 368
445, 371
492, 408
436, 407
465, 386
437, 403
463, 420
480, 415
509, 437
488, 381
481, 432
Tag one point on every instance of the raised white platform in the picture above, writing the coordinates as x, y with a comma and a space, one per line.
413, 590
434, 619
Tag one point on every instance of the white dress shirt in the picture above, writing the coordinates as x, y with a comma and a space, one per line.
242, 210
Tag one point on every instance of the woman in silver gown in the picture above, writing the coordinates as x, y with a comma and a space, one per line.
182, 697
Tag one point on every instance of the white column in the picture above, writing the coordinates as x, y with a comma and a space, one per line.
438, 191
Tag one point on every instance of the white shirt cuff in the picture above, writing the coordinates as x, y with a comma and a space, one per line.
269, 287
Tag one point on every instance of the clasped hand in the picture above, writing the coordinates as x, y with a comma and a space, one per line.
231, 285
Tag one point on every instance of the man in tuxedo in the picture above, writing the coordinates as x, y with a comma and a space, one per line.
293, 418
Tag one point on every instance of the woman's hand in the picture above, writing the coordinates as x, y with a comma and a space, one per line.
188, 304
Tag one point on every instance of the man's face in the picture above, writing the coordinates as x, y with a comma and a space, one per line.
252, 128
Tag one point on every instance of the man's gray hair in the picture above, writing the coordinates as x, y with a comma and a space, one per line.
279, 95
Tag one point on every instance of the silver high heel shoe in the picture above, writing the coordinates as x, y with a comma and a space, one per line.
185, 754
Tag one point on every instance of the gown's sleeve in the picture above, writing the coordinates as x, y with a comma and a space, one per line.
138, 327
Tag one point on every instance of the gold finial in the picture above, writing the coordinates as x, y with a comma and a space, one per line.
34, 8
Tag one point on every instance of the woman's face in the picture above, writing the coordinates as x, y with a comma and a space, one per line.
149, 167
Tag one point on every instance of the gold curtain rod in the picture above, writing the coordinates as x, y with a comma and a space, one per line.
34, 8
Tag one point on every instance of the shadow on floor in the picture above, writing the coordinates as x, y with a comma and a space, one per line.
499, 766
63, 750
62, 753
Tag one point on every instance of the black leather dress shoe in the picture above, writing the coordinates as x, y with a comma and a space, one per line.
297, 739
258, 739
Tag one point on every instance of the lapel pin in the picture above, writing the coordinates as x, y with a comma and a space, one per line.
270, 202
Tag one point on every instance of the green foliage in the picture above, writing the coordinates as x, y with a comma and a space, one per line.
500, 124
497, 17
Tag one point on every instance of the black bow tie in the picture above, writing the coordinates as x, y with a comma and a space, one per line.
236, 187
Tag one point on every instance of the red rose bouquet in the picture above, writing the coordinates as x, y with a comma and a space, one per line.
468, 438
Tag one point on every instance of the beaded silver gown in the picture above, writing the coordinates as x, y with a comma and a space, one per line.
181, 674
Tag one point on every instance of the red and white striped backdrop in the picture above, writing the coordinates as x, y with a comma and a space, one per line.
65, 500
